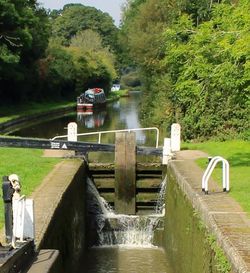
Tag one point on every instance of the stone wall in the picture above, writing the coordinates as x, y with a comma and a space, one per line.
186, 239
63, 225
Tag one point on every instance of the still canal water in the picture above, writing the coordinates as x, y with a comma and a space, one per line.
126, 260
123, 114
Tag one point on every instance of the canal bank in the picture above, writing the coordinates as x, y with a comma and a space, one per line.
13, 124
60, 215
195, 222
59, 218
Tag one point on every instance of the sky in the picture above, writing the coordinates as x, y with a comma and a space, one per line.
113, 7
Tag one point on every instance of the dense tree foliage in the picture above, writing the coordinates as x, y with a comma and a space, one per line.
196, 67
86, 35
68, 71
211, 64
56, 55
24, 32
76, 17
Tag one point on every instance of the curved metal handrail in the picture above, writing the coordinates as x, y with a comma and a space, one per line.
209, 170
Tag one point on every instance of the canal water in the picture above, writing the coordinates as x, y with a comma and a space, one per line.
126, 260
132, 249
124, 243
122, 114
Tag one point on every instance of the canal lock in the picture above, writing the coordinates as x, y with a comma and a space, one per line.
183, 232
125, 232
108, 228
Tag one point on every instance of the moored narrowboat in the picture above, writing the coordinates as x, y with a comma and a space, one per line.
91, 98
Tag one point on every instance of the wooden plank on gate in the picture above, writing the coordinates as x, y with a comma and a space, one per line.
125, 173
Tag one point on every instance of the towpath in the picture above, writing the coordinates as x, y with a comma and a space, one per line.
222, 215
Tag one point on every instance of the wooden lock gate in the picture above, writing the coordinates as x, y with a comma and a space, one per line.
128, 185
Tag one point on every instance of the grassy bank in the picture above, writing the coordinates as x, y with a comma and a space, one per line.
12, 112
29, 165
117, 94
238, 155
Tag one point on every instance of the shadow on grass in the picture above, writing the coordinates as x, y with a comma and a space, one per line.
239, 160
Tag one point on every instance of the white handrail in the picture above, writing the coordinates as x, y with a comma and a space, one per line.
209, 170
100, 133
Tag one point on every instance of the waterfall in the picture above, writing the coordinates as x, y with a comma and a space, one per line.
129, 231
160, 204
118, 229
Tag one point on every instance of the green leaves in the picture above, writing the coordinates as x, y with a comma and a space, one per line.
76, 18
7, 56
209, 70
24, 31
202, 49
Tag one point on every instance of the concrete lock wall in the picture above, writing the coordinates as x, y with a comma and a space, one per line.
66, 229
187, 242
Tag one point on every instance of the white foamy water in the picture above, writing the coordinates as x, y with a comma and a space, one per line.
124, 230
160, 204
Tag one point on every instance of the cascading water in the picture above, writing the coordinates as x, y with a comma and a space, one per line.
160, 204
129, 231
118, 229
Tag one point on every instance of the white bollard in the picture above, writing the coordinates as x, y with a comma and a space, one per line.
166, 153
72, 131
175, 137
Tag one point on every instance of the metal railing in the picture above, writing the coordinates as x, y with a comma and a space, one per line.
100, 133
209, 170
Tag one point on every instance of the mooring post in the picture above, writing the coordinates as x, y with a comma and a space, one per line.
7, 198
125, 173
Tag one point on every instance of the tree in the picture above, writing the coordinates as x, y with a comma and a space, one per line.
88, 46
76, 17
67, 71
209, 71
194, 59
24, 32
144, 22
58, 75
88, 40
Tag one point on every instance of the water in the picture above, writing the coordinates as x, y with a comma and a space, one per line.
130, 231
122, 243
160, 204
118, 229
117, 243
122, 114
125, 260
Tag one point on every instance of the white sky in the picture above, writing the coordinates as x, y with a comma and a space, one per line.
113, 7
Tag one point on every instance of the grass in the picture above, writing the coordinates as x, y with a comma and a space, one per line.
29, 165
237, 153
117, 94
222, 263
12, 112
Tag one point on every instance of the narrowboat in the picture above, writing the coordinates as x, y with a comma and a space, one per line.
91, 98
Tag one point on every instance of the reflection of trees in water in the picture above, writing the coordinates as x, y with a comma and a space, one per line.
91, 119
